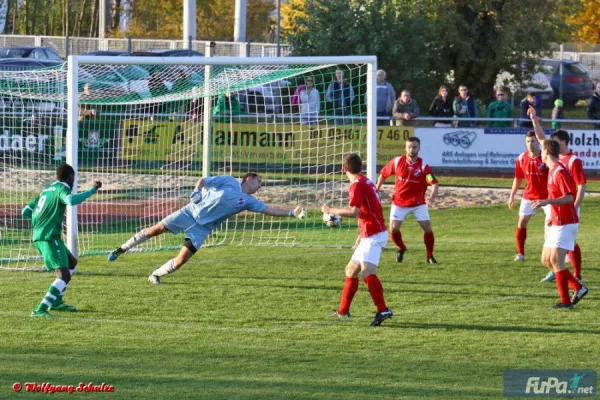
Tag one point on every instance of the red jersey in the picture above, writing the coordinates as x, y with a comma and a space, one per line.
575, 167
363, 194
559, 184
535, 173
411, 180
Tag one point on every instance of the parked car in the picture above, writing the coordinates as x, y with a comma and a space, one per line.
167, 53
37, 53
538, 84
26, 64
576, 81
113, 82
110, 53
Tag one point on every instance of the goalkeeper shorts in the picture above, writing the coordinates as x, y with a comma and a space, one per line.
182, 221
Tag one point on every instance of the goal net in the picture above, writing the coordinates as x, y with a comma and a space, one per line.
149, 128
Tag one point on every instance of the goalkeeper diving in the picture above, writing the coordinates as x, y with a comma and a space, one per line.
214, 200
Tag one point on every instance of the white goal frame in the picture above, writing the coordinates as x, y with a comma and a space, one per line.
73, 105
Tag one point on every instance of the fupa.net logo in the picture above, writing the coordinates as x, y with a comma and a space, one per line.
550, 383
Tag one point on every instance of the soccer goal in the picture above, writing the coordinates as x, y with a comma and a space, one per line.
150, 127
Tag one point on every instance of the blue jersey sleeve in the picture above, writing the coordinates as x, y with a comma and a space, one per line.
255, 205
220, 181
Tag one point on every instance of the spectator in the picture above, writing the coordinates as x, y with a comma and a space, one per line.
310, 103
441, 106
464, 106
386, 95
341, 94
226, 108
499, 109
593, 108
558, 113
296, 96
85, 110
530, 100
405, 109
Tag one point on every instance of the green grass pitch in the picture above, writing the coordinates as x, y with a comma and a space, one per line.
253, 322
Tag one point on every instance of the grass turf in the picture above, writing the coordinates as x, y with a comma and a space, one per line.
249, 322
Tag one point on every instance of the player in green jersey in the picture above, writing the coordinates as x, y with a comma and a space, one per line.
46, 212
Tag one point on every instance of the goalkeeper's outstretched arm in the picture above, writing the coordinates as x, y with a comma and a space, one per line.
297, 212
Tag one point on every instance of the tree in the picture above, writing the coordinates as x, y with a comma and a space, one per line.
424, 43
214, 19
587, 22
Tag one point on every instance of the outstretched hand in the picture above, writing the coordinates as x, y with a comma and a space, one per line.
97, 185
300, 212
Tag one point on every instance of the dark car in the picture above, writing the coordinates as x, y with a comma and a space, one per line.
110, 53
167, 53
25, 64
576, 81
34, 52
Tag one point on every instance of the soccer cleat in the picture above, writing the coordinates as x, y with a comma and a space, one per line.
562, 306
345, 315
113, 255
579, 295
549, 277
381, 316
400, 255
154, 279
519, 257
431, 260
63, 307
43, 314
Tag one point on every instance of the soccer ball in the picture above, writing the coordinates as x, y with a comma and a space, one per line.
332, 220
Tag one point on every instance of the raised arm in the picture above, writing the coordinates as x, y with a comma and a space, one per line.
78, 198
537, 126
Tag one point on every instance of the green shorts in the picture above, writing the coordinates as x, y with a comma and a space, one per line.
54, 252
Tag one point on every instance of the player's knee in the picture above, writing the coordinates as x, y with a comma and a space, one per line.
63, 274
72, 262
368, 269
352, 270
190, 246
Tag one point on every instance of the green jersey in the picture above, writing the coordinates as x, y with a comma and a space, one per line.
47, 210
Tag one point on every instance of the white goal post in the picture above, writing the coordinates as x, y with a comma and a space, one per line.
238, 116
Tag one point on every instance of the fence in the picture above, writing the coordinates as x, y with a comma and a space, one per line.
79, 45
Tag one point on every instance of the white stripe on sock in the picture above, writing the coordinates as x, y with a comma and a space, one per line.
60, 285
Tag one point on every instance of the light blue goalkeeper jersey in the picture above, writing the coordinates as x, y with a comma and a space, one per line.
222, 198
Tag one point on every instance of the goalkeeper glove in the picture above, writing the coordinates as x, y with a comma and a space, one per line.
196, 196
298, 212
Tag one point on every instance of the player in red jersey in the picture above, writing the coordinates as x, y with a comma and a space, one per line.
366, 206
529, 165
412, 176
575, 167
562, 226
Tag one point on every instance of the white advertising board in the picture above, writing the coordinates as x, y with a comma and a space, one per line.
493, 148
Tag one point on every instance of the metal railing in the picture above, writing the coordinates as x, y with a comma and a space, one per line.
79, 45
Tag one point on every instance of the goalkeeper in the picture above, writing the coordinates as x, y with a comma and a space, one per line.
214, 200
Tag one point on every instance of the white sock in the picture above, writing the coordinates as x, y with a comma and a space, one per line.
167, 268
138, 238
